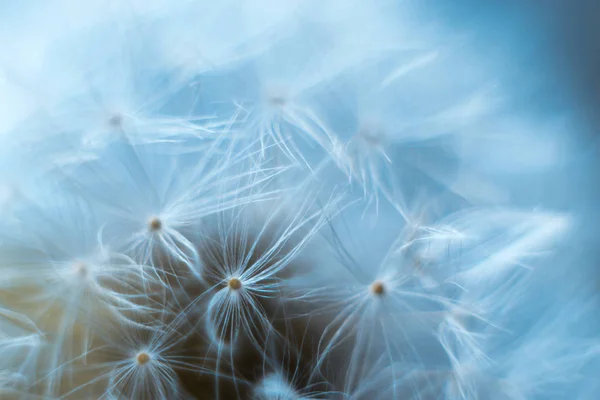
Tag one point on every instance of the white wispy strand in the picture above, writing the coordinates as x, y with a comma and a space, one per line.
20, 345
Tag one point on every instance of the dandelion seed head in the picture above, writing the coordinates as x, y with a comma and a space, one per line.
277, 101
81, 269
155, 224
234, 284
172, 208
276, 98
274, 386
371, 136
115, 121
378, 288
142, 358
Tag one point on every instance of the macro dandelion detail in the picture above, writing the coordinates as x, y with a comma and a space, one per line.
293, 200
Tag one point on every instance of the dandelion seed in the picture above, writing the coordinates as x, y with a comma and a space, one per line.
116, 121
81, 269
155, 224
235, 284
274, 387
142, 358
277, 100
378, 288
